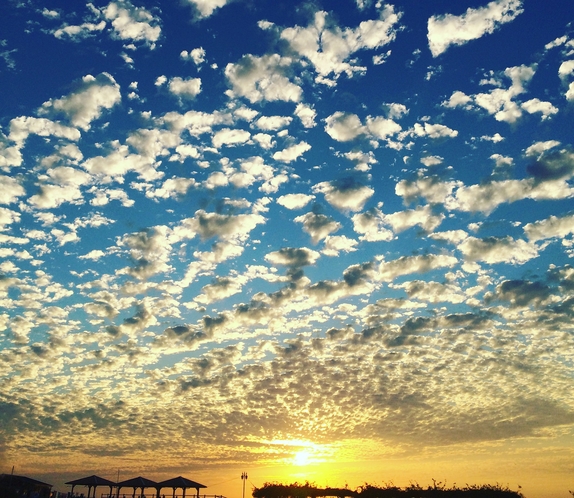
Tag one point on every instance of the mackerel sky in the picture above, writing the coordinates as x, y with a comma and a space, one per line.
327, 240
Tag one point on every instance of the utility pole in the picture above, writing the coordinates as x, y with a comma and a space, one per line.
244, 478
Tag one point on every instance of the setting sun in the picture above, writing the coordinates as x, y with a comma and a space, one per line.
302, 457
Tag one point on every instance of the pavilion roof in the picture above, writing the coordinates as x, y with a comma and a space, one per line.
92, 481
137, 482
180, 482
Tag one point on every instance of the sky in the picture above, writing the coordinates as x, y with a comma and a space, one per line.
325, 240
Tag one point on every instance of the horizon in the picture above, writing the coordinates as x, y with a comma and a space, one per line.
324, 240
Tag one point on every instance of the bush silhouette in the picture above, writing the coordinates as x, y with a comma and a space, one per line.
437, 490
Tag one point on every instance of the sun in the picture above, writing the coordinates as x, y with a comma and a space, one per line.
302, 457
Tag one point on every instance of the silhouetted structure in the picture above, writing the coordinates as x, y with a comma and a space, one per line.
138, 486
180, 482
438, 490
12, 486
92, 482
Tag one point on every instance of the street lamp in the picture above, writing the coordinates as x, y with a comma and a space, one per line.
244, 478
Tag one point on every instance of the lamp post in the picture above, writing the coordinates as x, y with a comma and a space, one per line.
244, 478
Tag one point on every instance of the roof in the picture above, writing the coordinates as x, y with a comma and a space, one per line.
138, 482
92, 481
180, 482
15, 479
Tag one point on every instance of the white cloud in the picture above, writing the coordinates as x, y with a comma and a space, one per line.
94, 255
406, 265
23, 126
206, 8
457, 99
272, 123
494, 250
87, 103
306, 114
429, 161
292, 152
7, 217
79, 31
329, 48
52, 196
295, 201
421, 215
566, 69
543, 107
10, 189
434, 131
448, 29
500, 102
538, 148
550, 228
230, 136
263, 78
382, 128
371, 225
346, 195
132, 23
339, 243
197, 55
294, 257
318, 226
487, 197
185, 88
344, 127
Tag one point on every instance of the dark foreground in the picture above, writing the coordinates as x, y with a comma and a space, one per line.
437, 490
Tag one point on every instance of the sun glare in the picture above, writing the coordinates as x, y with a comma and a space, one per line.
302, 457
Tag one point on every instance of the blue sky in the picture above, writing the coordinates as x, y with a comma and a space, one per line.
286, 233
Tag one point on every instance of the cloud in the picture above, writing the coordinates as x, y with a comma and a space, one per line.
422, 215
371, 225
263, 78
223, 226
295, 201
536, 105
538, 148
84, 105
344, 127
551, 227
520, 293
501, 102
185, 88
135, 24
338, 243
230, 136
318, 226
306, 114
329, 48
554, 165
197, 55
292, 153
272, 123
79, 32
10, 190
493, 250
23, 126
206, 8
448, 29
346, 194
406, 265
294, 257
434, 131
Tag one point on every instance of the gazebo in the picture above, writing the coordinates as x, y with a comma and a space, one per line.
136, 483
92, 482
179, 482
